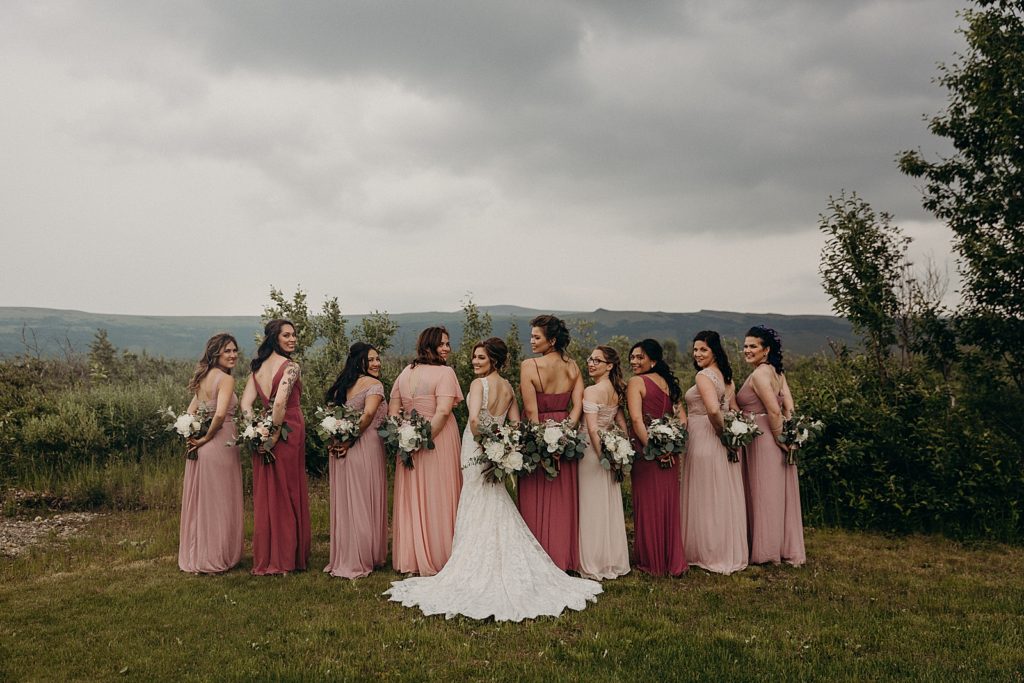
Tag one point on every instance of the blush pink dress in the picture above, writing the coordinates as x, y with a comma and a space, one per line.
280, 497
658, 543
714, 515
211, 503
604, 553
551, 507
359, 497
427, 496
772, 491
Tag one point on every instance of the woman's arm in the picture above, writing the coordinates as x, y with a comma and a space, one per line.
288, 381
476, 399
441, 414
248, 397
513, 408
395, 404
635, 402
620, 419
225, 389
577, 395
762, 384
788, 407
592, 395
528, 391
709, 395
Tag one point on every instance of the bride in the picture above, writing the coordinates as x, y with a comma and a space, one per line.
497, 568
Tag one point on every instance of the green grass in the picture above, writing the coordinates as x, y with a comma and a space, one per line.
112, 604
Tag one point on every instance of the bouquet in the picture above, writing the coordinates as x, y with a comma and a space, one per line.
255, 432
338, 423
404, 434
740, 430
616, 452
666, 436
189, 425
502, 452
548, 443
797, 431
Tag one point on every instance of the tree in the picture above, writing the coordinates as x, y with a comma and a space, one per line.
978, 191
475, 327
297, 311
376, 329
102, 355
861, 267
515, 354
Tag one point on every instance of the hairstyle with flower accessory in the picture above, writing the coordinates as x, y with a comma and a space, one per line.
496, 350
652, 349
714, 342
270, 343
356, 365
771, 341
214, 347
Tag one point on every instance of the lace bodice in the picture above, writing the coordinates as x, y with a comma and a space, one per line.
605, 414
694, 402
358, 402
485, 417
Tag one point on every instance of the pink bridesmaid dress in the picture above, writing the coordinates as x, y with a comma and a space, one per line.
714, 515
658, 541
772, 491
211, 503
280, 499
359, 496
550, 508
604, 553
427, 496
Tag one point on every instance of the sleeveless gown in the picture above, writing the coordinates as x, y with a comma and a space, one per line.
774, 518
714, 516
604, 553
359, 497
427, 496
497, 568
550, 507
280, 498
658, 540
212, 530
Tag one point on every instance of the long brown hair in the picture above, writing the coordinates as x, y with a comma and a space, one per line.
270, 344
615, 373
214, 347
426, 346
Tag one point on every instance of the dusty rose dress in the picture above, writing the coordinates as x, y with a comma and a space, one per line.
211, 503
427, 496
658, 541
714, 514
604, 553
550, 507
359, 497
280, 498
776, 529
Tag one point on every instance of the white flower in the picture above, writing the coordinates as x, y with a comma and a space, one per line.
739, 427
623, 450
407, 437
329, 424
514, 461
662, 430
552, 435
495, 451
185, 424
345, 426
249, 432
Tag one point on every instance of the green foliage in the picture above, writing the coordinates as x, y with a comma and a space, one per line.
376, 329
582, 342
102, 355
297, 311
475, 327
978, 191
515, 355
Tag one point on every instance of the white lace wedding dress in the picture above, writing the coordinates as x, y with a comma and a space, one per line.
497, 568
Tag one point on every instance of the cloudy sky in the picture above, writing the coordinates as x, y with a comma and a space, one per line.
180, 158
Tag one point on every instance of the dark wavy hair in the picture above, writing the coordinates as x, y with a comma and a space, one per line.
714, 342
426, 346
653, 349
496, 350
554, 330
356, 365
214, 347
771, 341
270, 344
615, 375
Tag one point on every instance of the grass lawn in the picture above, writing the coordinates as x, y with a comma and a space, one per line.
111, 604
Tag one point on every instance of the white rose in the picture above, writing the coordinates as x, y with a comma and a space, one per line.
623, 450
183, 425
739, 427
330, 424
494, 451
514, 461
345, 426
663, 430
551, 438
407, 437
249, 432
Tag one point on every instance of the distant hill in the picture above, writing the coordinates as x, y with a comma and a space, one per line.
51, 330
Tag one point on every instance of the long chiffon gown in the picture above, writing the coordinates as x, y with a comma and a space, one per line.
427, 496
280, 497
359, 497
776, 529
714, 515
550, 507
658, 541
211, 503
604, 553
497, 568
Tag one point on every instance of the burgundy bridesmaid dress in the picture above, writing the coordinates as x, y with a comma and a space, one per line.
658, 540
551, 507
280, 499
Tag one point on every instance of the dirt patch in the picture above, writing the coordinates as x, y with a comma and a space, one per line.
17, 535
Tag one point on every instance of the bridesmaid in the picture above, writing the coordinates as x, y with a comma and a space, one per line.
714, 516
211, 499
427, 496
280, 500
549, 384
651, 393
773, 490
604, 553
359, 518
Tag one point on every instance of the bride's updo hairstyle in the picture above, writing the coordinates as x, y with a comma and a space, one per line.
496, 351
770, 340
652, 349
270, 343
554, 330
427, 345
